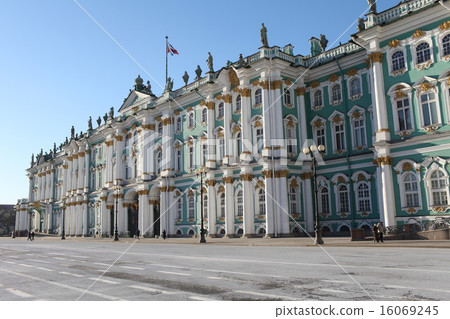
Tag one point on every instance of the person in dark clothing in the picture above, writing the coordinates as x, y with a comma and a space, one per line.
375, 233
164, 234
138, 233
29, 236
32, 235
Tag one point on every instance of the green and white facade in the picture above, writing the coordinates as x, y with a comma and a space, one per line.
380, 104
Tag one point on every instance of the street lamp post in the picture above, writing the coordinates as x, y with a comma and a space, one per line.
202, 229
307, 150
116, 232
63, 233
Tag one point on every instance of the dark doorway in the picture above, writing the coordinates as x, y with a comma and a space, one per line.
157, 223
132, 220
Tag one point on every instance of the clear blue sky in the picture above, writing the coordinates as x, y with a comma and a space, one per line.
57, 67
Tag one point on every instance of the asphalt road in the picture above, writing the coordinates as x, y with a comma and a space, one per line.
69, 270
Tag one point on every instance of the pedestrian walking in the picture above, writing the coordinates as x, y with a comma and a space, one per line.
32, 235
380, 231
164, 234
138, 233
375, 233
29, 236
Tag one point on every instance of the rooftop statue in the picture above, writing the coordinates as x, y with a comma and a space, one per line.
90, 124
169, 85
209, 61
111, 113
148, 89
138, 86
99, 121
372, 6
185, 78
323, 42
54, 149
361, 25
241, 62
198, 72
105, 117
263, 31
72, 132
32, 159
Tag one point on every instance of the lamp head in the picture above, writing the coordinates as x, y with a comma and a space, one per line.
321, 148
306, 150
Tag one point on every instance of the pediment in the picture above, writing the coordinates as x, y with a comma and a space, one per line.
134, 99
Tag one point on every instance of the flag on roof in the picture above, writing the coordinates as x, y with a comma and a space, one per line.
171, 49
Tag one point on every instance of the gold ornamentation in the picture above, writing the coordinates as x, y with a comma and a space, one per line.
394, 43
385, 160
246, 177
445, 26
337, 119
276, 85
293, 183
70, 158
234, 80
307, 175
318, 124
202, 103
103, 198
167, 121
356, 115
143, 192
300, 91
134, 126
361, 177
109, 143
258, 124
189, 109
341, 179
333, 78
221, 189
210, 182
245, 92
226, 98
383, 130
236, 129
376, 57
426, 86
163, 189
315, 84
352, 72
438, 209
411, 210
177, 112
407, 166
418, 34
210, 105
228, 180
288, 81
399, 94
255, 83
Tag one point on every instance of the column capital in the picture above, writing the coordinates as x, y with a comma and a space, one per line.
375, 57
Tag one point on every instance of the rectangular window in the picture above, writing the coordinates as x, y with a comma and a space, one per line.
320, 136
259, 140
191, 157
339, 137
429, 110
343, 201
179, 166
404, 115
359, 133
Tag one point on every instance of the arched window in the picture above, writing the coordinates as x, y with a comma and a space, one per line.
238, 144
204, 115
359, 132
160, 128
355, 87
336, 93
398, 61
178, 127
429, 109
158, 162
318, 98
258, 97
287, 97
222, 205
191, 122
179, 161
446, 45
324, 198
220, 110
240, 203
180, 208
438, 188
343, 199
191, 207
411, 188
262, 201
293, 203
238, 103
423, 52
363, 197
291, 140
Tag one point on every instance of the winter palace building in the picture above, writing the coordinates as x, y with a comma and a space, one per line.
380, 104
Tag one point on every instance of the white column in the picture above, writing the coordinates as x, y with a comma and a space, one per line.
143, 210
212, 205
211, 156
249, 210
226, 98
150, 228
121, 215
105, 213
49, 212
282, 203
229, 206
119, 163
86, 171
308, 199
387, 190
108, 179
167, 155
245, 124
302, 125
378, 92
172, 212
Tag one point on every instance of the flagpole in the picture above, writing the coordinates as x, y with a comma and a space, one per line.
167, 46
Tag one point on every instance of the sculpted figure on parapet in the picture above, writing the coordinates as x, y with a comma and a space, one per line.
263, 31
372, 6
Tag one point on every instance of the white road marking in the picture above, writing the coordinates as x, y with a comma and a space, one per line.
19, 293
215, 278
46, 269
158, 291
199, 298
105, 281
30, 254
135, 268
70, 274
334, 291
61, 258
25, 265
40, 261
9, 262
338, 281
1, 285
265, 295
102, 264
174, 273
79, 290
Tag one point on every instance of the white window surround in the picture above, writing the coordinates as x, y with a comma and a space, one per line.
204, 115
440, 38
360, 189
396, 93
350, 80
357, 113
333, 119
401, 174
220, 110
191, 120
331, 86
389, 51
178, 123
444, 80
434, 167
295, 183
290, 123
321, 183
316, 103
427, 85
288, 97
239, 202
237, 105
319, 123
414, 42
338, 180
260, 200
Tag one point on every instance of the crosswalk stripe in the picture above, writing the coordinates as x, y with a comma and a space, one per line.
159, 291
70, 274
129, 267
174, 273
19, 293
105, 281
